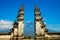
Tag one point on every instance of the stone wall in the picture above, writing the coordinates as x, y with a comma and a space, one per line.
5, 37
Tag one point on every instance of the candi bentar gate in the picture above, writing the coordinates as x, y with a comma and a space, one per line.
41, 33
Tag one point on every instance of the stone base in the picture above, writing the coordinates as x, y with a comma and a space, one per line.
39, 38
17, 38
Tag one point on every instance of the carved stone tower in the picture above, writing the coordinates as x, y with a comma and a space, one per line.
20, 19
15, 27
39, 24
14, 31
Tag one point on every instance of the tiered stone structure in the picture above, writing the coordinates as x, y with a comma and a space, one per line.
41, 33
39, 24
16, 33
20, 19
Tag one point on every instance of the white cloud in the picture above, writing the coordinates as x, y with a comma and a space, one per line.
55, 27
5, 24
29, 23
44, 19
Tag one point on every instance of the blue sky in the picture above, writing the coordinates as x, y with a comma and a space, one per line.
50, 11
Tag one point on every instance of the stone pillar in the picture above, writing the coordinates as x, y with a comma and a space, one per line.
39, 24
20, 19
